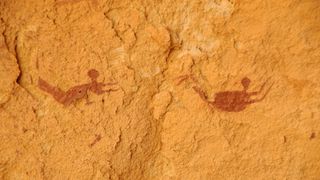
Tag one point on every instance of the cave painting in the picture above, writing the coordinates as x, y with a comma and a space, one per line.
77, 92
231, 101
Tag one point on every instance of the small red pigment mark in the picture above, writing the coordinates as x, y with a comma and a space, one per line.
97, 139
284, 139
232, 101
24, 130
77, 92
185, 77
312, 136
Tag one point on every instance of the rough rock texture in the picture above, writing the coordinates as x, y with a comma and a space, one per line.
152, 128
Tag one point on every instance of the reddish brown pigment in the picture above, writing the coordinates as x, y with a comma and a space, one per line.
185, 77
233, 101
312, 136
97, 139
76, 92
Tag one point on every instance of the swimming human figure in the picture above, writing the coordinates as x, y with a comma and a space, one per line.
77, 92
232, 101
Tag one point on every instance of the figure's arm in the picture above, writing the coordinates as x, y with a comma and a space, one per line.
261, 98
260, 90
97, 87
263, 86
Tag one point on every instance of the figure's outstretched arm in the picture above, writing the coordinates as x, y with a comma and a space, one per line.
97, 87
261, 98
260, 90
263, 86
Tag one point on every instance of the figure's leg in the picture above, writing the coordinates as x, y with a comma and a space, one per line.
54, 91
196, 88
87, 100
43, 85
201, 93
182, 78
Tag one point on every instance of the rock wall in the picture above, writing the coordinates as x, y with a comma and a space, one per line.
180, 105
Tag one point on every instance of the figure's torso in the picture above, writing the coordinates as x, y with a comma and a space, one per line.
75, 93
232, 101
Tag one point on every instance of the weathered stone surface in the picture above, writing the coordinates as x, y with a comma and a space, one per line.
153, 126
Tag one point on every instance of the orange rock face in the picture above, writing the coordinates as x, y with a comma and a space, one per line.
169, 59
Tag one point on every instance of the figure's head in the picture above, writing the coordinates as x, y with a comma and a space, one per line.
93, 74
245, 82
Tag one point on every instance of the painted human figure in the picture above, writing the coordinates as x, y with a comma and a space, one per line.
77, 92
233, 101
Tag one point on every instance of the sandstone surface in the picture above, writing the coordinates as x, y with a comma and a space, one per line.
153, 126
